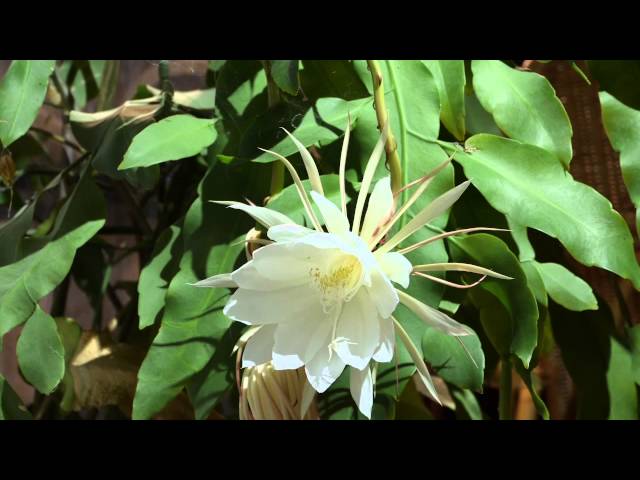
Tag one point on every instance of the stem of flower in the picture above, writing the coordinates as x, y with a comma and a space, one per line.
504, 406
391, 147
273, 99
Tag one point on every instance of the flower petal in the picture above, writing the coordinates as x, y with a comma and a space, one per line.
396, 267
459, 267
361, 386
259, 346
336, 222
249, 277
433, 210
267, 217
380, 208
434, 318
253, 307
358, 331
382, 293
286, 233
309, 164
323, 370
386, 346
298, 342
223, 280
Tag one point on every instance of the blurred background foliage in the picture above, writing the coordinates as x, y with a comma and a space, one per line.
107, 169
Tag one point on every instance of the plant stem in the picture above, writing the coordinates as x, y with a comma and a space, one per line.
273, 98
504, 406
391, 147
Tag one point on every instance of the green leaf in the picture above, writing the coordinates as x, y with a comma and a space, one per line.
451, 360
288, 201
332, 111
526, 183
450, 80
477, 119
527, 378
521, 237
154, 278
623, 391
331, 78
11, 407
467, 406
534, 279
285, 74
621, 123
25, 282
509, 313
565, 288
413, 103
524, 106
173, 138
40, 352
22, 91
191, 325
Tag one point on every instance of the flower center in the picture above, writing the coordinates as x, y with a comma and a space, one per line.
339, 282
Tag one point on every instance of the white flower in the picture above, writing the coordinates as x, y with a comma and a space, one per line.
324, 300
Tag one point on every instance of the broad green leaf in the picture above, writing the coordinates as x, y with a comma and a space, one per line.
173, 138
192, 322
623, 390
527, 378
11, 407
22, 91
331, 78
332, 111
521, 237
40, 352
524, 105
526, 183
622, 126
198, 99
535, 281
25, 282
413, 103
154, 278
452, 361
514, 330
12, 231
470, 407
285, 74
288, 201
450, 80
477, 119
566, 288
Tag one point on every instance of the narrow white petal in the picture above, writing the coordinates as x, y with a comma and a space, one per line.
336, 222
395, 266
299, 188
309, 164
361, 386
416, 356
259, 346
323, 370
343, 166
248, 277
386, 346
459, 267
431, 211
222, 280
382, 293
296, 343
434, 318
262, 215
254, 307
358, 331
367, 178
287, 233
379, 209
